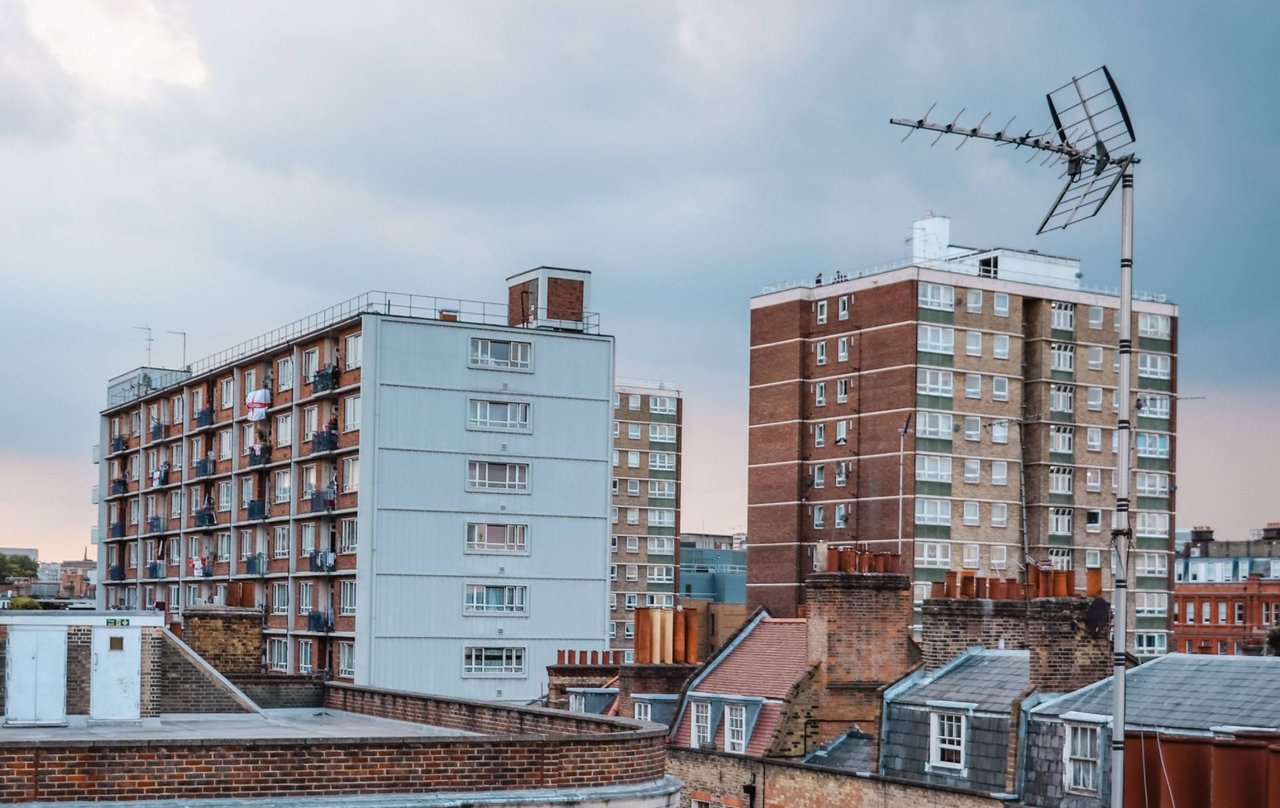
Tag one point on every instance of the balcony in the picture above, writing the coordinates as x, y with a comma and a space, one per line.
323, 561
119, 486
115, 530
322, 501
118, 443
115, 573
206, 571
325, 379
155, 569
257, 509
324, 441
204, 467
204, 417
157, 431
260, 455
255, 564
320, 621
204, 517
160, 476
155, 524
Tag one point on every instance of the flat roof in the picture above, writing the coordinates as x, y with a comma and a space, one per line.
302, 723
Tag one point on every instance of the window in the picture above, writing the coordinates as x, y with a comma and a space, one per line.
662, 461
491, 599
284, 429
485, 476
492, 353
1150, 644
842, 473
934, 425
499, 415
842, 349
278, 654
633, 402
933, 468
662, 517
224, 496
1095, 317
1062, 398
1000, 388
1152, 484
842, 391
662, 545
842, 308
842, 432
1154, 366
661, 574
1151, 444
493, 661
735, 729
842, 515
1096, 358
821, 311
1000, 304
972, 427
999, 516
972, 385
937, 296
280, 542
347, 659
1239, 612
972, 470
280, 598
1062, 439
931, 382
306, 596
933, 554
1156, 326
224, 444
701, 724
1152, 405
999, 472
633, 516
1062, 357
283, 485
818, 517
1060, 478
1093, 479
354, 350
633, 431
308, 538
1000, 346
933, 511
819, 435
1082, 758
935, 339
973, 343
350, 474
971, 555
820, 394
633, 572
1155, 525
971, 514
973, 301
946, 749
633, 488
347, 603
1151, 563
662, 405
819, 475
999, 431
633, 460
1093, 439
227, 394
350, 534
1060, 521
662, 433
662, 489
821, 353
1064, 316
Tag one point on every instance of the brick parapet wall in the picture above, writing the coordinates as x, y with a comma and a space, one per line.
272, 690
228, 638
187, 688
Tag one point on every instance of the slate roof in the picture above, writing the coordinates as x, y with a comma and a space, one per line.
993, 680
766, 663
1188, 692
849, 752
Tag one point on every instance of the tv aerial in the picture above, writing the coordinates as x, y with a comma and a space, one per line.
1089, 137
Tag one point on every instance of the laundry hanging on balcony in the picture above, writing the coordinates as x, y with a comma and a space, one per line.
256, 403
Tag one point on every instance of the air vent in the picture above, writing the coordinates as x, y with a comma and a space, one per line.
500, 631
504, 385
502, 570
504, 447
502, 507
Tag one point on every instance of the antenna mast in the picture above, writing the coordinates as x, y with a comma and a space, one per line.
148, 339
1091, 124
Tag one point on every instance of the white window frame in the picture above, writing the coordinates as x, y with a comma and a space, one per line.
1083, 770
936, 296
1000, 346
935, 339
735, 729
947, 733
701, 723
519, 354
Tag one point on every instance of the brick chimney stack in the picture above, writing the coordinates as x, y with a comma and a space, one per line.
549, 297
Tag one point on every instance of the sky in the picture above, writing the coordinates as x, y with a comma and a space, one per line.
220, 169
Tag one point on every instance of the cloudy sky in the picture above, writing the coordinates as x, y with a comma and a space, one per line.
223, 168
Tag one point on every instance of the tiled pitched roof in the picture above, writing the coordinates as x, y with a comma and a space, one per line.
766, 663
1187, 691
993, 680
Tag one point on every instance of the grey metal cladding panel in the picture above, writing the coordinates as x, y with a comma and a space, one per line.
991, 680
1170, 692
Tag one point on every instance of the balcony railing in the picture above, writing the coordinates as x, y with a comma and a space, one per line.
115, 530
204, 517
204, 467
119, 486
260, 455
323, 561
322, 501
255, 564
204, 417
157, 431
325, 379
118, 443
320, 621
155, 569
155, 524
206, 571
257, 509
160, 476
325, 440
116, 573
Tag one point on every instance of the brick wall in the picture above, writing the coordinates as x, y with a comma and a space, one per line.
720, 779
187, 688
564, 299
520, 298
228, 638
272, 691
562, 677
79, 657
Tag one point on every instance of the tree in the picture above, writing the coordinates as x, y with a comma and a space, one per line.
17, 566
23, 602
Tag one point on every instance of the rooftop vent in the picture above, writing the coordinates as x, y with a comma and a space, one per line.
1202, 533
1271, 531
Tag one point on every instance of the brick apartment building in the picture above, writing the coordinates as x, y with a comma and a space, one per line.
1227, 593
648, 433
961, 403
475, 433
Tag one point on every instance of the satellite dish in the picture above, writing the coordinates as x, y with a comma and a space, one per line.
1097, 617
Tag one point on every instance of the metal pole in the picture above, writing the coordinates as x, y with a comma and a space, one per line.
902, 443
1120, 534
